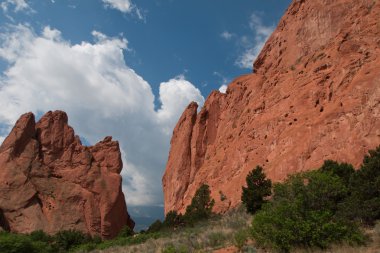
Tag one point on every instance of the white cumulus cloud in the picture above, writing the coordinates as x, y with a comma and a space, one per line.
125, 6
223, 88
253, 44
174, 96
17, 5
100, 93
226, 35
121, 5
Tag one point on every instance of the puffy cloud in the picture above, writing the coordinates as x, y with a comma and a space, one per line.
174, 96
100, 93
223, 88
226, 35
253, 46
125, 6
121, 5
18, 5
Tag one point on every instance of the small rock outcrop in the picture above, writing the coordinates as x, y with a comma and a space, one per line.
49, 181
314, 95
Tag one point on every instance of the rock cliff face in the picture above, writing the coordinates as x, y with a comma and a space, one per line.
314, 95
49, 181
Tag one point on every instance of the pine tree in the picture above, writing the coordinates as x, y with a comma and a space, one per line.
258, 187
201, 205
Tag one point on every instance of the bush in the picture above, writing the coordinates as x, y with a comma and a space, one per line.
173, 219
258, 187
155, 227
41, 236
363, 204
285, 226
201, 205
216, 239
68, 239
303, 214
313, 190
18, 243
11, 243
172, 249
342, 170
240, 238
126, 231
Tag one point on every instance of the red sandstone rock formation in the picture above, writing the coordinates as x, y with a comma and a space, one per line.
49, 181
314, 95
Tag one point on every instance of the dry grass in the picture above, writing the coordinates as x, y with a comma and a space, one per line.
218, 234
203, 237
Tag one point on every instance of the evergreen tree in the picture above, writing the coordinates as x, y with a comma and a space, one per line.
201, 205
258, 187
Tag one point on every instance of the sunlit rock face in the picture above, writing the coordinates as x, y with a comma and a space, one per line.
314, 95
49, 181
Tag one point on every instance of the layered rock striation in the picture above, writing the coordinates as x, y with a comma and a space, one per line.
314, 95
49, 181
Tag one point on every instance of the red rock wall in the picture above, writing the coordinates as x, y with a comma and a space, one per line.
49, 181
315, 95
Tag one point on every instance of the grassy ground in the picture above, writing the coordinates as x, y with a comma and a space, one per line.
206, 236
224, 235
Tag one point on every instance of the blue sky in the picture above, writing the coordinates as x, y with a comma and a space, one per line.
126, 67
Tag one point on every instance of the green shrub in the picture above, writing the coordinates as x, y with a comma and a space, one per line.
216, 239
68, 239
313, 190
41, 236
173, 220
155, 227
363, 204
172, 249
11, 243
85, 247
169, 249
241, 238
201, 205
342, 170
126, 231
303, 213
258, 188
286, 225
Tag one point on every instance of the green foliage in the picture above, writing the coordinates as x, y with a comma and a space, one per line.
172, 249
342, 170
173, 220
169, 249
363, 204
126, 231
303, 214
313, 190
155, 227
10, 243
41, 236
241, 238
68, 239
258, 187
285, 225
18, 243
201, 205
216, 239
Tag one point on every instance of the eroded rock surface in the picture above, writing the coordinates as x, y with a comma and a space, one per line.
314, 95
49, 181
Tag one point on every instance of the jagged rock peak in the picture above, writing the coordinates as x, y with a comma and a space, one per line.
49, 181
